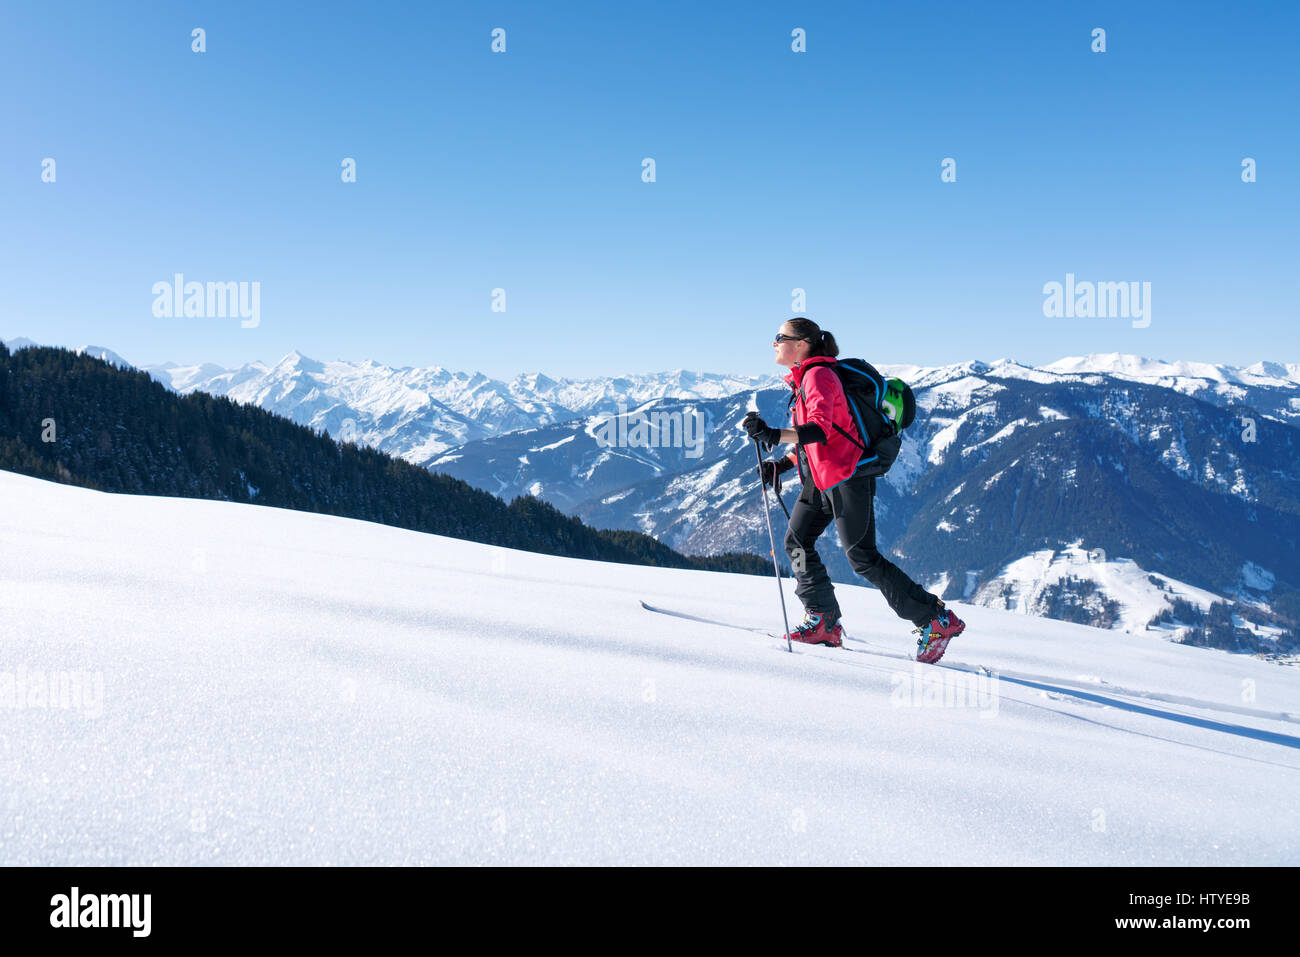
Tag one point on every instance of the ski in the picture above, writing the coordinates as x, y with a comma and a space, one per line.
883, 652
871, 649
706, 621
1073, 688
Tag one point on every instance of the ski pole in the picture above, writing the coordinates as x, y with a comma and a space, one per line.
776, 487
767, 514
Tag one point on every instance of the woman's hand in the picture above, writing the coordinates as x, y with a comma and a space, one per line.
770, 472
758, 429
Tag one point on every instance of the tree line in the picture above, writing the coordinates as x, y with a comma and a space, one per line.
75, 419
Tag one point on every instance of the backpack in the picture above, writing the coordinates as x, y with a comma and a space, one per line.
882, 409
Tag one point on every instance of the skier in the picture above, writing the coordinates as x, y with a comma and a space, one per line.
829, 455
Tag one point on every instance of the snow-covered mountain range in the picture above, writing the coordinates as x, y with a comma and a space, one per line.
415, 413
1080, 496
1105, 488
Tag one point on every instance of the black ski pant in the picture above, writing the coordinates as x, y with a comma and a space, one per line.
851, 504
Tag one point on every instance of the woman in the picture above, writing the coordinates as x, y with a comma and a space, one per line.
829, 455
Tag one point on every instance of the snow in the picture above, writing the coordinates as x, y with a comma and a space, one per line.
1241, 487
1175, 456
956, 393
1257, 577
105, 355
1177, 374
1019, 585
370, 388
417, 413
554, 445
907, 468
942, 439
600, 459
997, 437
1285, 372
287, 688
1199, 379
96, 352
689, 485
1266, 632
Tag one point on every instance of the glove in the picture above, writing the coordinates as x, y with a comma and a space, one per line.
758, 429
770, 472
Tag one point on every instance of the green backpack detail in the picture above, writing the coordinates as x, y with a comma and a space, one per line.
899, 404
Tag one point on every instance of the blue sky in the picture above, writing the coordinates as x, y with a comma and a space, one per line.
775, 170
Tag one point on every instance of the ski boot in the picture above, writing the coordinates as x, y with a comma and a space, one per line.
818, 628
936, 635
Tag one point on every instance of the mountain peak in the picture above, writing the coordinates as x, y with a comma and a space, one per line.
535, 381
295, 360
1106, 362
106, 355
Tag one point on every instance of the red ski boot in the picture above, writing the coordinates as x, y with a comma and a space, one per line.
935, 637
818, 628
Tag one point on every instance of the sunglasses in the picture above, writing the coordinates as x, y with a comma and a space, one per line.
782, 337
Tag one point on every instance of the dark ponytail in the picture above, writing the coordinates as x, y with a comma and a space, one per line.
820, 342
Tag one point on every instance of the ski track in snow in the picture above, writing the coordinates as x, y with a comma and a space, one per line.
287, 688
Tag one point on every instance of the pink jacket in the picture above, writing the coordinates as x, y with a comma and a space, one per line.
819, 400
